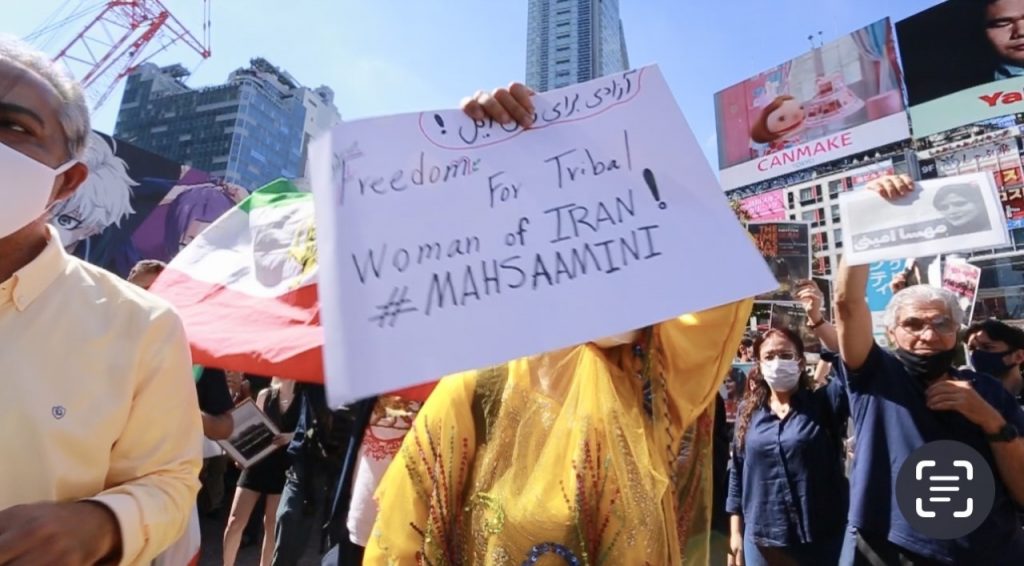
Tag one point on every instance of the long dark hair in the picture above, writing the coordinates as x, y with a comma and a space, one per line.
757, 397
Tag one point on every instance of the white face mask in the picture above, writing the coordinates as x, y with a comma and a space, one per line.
781, 375
28, 185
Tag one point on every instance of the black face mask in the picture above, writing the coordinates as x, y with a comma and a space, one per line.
991, 363
926, 368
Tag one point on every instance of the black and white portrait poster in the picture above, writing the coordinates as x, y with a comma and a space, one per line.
945, 215
786, 248
253, 436
736, 383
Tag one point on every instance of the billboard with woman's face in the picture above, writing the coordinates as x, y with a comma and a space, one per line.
964, 62
840, 99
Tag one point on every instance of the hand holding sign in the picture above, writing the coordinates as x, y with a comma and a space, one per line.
453, 240
928, 218
502, 105
892, 187
812, 299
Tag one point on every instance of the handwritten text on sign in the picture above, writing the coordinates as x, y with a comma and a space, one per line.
449, 244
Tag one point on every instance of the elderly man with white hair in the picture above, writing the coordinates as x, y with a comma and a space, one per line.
100, 421
910, 396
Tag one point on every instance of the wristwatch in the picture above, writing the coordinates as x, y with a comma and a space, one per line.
1008, 433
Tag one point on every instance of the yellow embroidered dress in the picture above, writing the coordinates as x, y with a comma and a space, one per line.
585, 456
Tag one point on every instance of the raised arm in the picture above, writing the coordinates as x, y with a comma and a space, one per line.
853, 316
812, 299
852, 312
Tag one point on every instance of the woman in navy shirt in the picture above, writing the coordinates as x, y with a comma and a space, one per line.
788, 495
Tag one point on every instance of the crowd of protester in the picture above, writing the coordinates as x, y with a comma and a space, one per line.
616, 451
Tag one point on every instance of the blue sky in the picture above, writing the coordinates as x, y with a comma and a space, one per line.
389, 56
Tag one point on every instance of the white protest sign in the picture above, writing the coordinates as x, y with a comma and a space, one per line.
447, 244
939, 216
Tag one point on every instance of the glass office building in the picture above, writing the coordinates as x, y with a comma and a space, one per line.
250, 130
573, 41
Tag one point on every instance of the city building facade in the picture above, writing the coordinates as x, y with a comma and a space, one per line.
573, 41
812, 196
250, 130
993, 146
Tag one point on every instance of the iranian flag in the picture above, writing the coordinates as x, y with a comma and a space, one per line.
246, 288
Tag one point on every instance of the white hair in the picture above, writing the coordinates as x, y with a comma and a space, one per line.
922, 294
74, 112
106, 195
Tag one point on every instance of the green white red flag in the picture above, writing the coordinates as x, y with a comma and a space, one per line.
246, 287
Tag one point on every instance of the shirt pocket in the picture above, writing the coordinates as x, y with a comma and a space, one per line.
770, 524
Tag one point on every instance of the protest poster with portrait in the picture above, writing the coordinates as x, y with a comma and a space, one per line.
735, 385
786, 248
1001, 158
253, 436
940, 216
460, 244
825, 286
962, 278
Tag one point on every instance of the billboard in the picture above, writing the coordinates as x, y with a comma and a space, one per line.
765, 206
840, 99
964, 62
136, 205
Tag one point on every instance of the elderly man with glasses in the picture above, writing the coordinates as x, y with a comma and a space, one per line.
910, 396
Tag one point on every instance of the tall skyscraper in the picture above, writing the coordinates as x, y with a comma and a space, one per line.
572, 41
250, 130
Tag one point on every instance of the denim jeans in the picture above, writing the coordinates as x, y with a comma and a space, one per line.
301, 511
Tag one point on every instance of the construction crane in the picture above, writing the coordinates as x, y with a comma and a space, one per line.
120, 36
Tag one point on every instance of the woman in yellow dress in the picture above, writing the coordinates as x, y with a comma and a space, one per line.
597, 454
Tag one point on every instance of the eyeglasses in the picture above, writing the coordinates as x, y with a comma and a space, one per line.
769, 356
917, 326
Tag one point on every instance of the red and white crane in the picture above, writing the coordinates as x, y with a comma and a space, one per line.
119, 36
